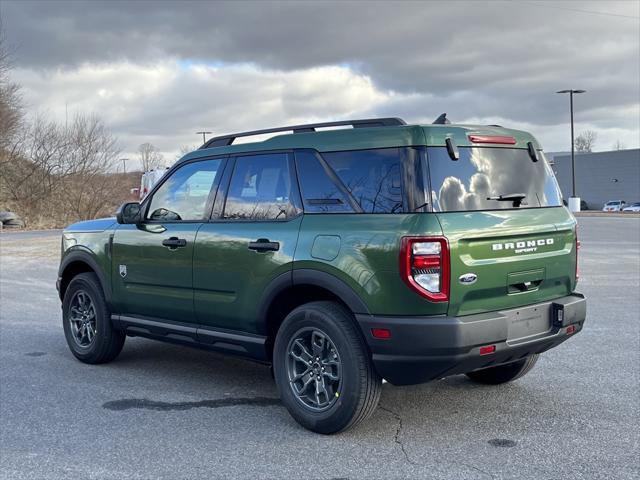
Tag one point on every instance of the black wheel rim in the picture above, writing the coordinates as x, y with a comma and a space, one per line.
82, 319
314, 369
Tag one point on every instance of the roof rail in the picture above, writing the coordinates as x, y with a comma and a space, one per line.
225, 140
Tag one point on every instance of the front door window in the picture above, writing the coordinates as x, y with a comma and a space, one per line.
185, 195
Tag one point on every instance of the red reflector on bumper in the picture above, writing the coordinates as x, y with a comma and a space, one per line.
381, 333
571, 329
487, 349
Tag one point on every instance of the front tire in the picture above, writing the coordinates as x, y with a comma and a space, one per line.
86, 320
323, 370
504, 373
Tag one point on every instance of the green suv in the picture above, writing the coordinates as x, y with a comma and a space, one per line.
340, 256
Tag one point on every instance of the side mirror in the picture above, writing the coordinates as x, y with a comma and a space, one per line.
128, 213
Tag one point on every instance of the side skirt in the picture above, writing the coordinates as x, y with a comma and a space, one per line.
226, 341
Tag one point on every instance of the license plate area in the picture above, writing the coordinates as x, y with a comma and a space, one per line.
528, 322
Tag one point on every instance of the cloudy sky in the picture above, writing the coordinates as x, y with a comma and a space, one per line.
160, 71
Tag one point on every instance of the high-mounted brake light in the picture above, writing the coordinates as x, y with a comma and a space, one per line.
424, 266
492, 139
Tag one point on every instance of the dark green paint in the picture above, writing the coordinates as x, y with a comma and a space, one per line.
229, 278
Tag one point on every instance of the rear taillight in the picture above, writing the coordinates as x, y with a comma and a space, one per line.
424, 266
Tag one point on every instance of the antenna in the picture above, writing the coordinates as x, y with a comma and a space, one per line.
441, 120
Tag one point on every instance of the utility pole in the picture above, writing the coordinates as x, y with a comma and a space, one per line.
204, 138
124, 164
573, 160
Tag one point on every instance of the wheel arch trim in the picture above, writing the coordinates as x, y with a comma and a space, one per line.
83, 256
311, 277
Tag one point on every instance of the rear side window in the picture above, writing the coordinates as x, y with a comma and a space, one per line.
319, 192
481, 175
372, 177
260, 188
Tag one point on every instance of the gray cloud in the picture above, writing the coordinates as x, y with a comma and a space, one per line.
475, 60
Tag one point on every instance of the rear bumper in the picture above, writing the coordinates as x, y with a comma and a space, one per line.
425, 348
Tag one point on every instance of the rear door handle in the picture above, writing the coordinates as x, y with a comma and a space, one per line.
174, 242
264, 245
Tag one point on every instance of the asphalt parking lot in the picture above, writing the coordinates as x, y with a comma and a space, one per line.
162, 411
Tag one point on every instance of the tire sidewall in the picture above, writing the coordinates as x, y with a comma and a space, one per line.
88, 284
341, 412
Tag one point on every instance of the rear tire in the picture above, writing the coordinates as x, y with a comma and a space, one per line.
86, 320
504, 373
342, 387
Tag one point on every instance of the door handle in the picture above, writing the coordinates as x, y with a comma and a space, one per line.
264, 245
174, 242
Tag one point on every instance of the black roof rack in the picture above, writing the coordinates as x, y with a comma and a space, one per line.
310, 127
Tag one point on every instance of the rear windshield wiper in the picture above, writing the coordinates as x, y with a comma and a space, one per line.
516, 198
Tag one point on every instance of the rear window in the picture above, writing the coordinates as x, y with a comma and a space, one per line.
482, 175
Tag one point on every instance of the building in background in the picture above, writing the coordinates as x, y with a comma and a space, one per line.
600, 176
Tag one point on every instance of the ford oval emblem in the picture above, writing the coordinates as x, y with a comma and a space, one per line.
468, 278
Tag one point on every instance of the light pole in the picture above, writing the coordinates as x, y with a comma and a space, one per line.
204, 138
575, 205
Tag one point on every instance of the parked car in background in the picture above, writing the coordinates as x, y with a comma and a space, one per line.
634, 207
614, 206
10, 220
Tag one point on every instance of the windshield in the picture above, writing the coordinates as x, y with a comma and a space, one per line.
490, 179
613, 203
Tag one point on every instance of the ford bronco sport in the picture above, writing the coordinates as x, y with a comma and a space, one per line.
341, 257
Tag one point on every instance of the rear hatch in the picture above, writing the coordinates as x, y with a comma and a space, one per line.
511, 241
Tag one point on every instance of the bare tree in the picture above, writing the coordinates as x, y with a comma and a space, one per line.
619, 145
11, 113
63, 172
150, 157
184, 149
88, 170
585, 141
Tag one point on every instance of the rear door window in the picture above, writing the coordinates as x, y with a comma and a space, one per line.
372, 177
261, 188
482, 175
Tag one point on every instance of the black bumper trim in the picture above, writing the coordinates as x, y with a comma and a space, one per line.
426, 348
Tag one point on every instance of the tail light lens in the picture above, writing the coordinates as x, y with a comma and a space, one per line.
424, 266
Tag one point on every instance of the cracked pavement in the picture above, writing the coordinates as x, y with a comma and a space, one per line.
167, 412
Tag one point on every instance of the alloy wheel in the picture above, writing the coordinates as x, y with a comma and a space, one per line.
314, 369
82, 319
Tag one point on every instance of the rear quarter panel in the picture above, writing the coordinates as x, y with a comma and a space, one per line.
366, 256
